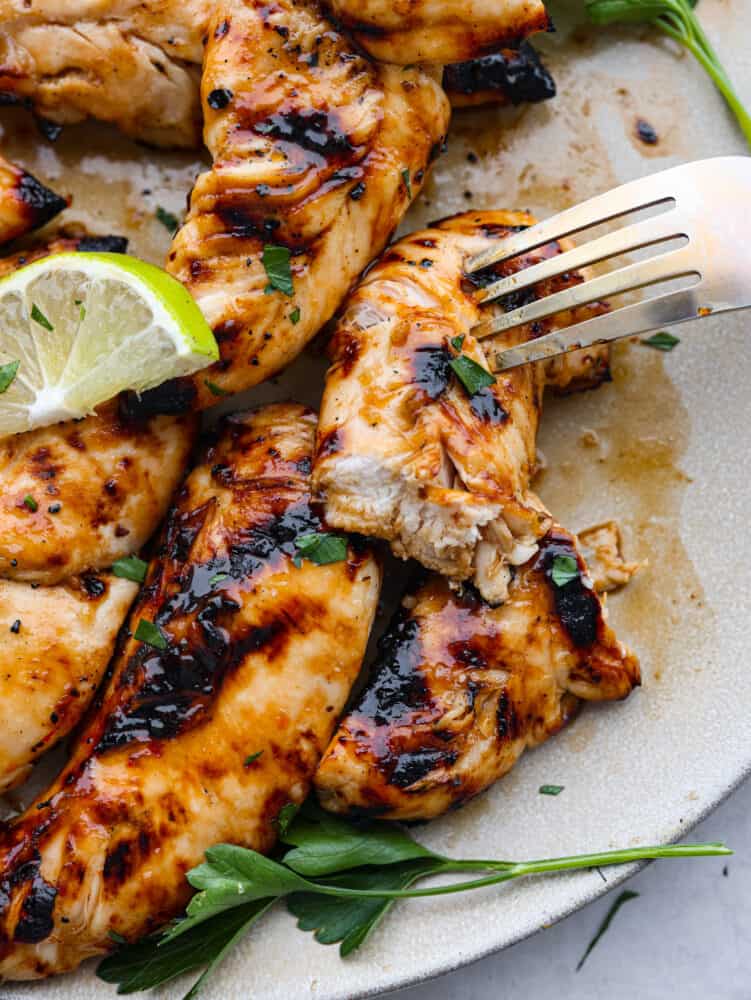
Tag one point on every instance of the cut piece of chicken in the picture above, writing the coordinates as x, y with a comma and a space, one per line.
25, 203
79, 495
459, 689
317, 151
57, 642
603, 551
62, 242
511, 76
438, 31
130, 62
207, 739
404, 451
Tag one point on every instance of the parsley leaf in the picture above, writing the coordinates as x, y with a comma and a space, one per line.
457, 342
623, 898
407, 180
167, 219
322, 547
252, 757
214, 389
151, 634
130, 568
662, 341
550, 789
677, 19
7, 374
294, 316
276, 262
217, 578
38, 316
471, 375
565, 569
30, 503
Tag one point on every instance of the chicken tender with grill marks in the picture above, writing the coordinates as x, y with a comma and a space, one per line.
438, 31
25, 203
207, 739
133, 63
460, 689
404, 451
57, 643
98, 488
317, 151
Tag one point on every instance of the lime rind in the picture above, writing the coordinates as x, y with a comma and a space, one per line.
85, 326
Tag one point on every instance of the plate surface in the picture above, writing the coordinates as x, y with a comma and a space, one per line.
664, 448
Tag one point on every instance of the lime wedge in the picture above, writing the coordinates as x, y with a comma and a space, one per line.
78, 328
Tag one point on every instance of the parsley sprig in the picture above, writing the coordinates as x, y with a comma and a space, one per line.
338, 879
676, 18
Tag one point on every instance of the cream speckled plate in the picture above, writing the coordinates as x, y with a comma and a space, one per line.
665, 448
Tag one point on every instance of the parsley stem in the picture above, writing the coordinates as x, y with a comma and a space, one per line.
506, 870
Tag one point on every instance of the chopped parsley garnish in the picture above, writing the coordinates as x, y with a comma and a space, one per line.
457, 342
471, 375
252, 757
30, 502
550, 789
322, 548
130, 568
151, 634
38, 316
565, 569
276, 262
407, 181
214, 389
623, 898
7, 374
217, 578
294, 316
167, 219
662, 341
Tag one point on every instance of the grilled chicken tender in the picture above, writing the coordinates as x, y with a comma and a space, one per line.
460, 689
133, 63
57, 642
404, 452
438, 31
74, 498
206, 740
317, 151
25, 203
603, 552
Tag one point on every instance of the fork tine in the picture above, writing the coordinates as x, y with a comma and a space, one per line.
639, 194
634, 237
663, 310
674, 264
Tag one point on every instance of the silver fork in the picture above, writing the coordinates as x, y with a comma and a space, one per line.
708, 205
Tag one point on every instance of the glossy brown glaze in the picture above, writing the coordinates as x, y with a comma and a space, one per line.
459, 689
405, 452
259, 660
315, 149
438, 31
25, 203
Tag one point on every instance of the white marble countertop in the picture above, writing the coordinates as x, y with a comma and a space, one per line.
685, 936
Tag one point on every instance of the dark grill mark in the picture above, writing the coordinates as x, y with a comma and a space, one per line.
219, 98
507, 721
43, 203
244, 224
576, 605
103, 244
431, 370
312, 130
520, 76
486, 406
412, 766
93, 586
398, 686
35, 919
173, 690
172, 398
